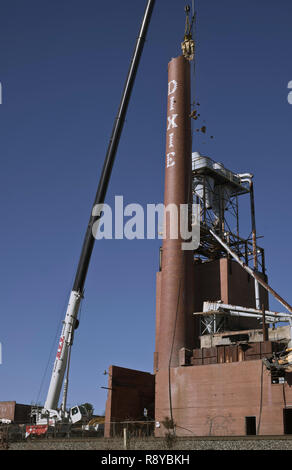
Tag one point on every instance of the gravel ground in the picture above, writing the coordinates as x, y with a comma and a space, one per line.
156, 444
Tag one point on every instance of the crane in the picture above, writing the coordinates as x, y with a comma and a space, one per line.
51, 413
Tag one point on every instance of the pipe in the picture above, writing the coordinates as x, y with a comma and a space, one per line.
245, 176
265, 333
254, 244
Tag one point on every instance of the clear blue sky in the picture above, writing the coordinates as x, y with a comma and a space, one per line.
62, 67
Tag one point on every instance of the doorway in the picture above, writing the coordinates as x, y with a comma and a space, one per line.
287, 419
250, 425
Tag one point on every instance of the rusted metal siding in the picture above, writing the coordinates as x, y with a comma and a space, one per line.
234, 353
130, 391
7, 410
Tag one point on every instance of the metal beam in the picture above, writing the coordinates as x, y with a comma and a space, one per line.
218, 308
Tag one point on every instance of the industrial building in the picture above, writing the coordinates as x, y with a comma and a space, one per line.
221, 360
222, 363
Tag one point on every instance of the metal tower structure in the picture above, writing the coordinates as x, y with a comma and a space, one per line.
217, 190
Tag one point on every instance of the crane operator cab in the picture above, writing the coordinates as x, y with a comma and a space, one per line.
78, 414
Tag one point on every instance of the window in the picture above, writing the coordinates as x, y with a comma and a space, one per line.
74, 410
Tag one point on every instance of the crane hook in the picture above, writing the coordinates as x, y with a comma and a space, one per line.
188, 45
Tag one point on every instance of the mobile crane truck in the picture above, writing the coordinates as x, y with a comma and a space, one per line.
51, 414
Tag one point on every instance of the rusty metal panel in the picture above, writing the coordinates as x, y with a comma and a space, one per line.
209, 352
220, 354
241, 353
253, 348
7, 410
197, 353
234, 353
231, 353
266, 347
184, 356
228, 354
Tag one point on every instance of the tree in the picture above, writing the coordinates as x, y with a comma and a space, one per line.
88, 407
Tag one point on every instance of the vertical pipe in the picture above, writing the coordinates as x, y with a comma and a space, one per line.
253, 225
237, 217
221, 210
246, 253
176, 304
204, 197
265, 336
263, 261
254, 244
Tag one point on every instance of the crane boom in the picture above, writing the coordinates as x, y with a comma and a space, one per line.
78, 286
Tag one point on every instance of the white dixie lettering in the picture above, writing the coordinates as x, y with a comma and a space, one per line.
172, 86
171, 123
170, 159
171, 100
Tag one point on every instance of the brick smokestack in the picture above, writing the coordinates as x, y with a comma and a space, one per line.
174, 326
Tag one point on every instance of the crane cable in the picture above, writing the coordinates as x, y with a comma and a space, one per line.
193, 33
188, 45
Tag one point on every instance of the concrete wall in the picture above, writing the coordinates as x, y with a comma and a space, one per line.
130, 391
213, 400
